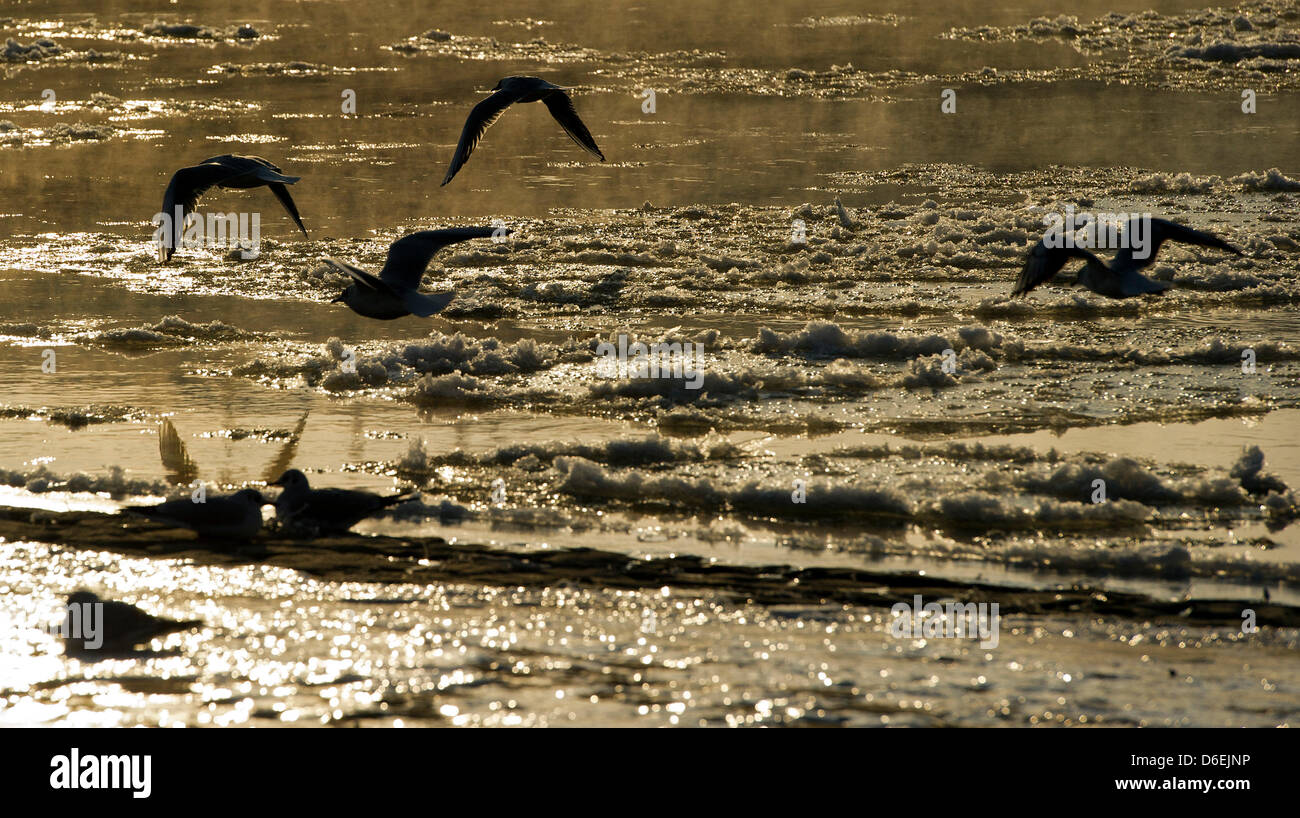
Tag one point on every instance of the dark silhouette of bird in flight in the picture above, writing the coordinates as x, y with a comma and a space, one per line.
326, 511
1121, 278
227, 171
520, 89
93, 625
395, 291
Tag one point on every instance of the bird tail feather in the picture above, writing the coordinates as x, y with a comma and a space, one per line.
426, 305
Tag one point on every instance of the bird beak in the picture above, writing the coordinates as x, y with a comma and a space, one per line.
338, 300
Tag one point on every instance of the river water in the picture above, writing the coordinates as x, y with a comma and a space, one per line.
871, 399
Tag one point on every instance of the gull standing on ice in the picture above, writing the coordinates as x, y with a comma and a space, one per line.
395, 291
117, 626
520, 89
326, 511
1121, 278
237, 516
228, 171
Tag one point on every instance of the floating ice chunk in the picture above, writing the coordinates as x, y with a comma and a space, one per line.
1270, 180
1249, 471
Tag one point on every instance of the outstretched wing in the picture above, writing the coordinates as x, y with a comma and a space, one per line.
282, 193
480, 119
1044, 262
359, 275
263, 171
251, 165
561, 108
184, 190
180, 469
1130, 258
409, 255
257, 160
287, 452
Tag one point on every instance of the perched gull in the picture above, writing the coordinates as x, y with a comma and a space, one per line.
520, 89
326, 511
228, 171
237, 516
395, 291
1121, 278
111, 626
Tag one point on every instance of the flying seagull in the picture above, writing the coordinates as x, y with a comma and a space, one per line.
93, 625
326, 511
395, 291
520, 89
1121, 278
228, 171
236, 516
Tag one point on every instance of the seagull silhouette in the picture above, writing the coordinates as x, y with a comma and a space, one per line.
236, 516
1121, 279
228, 171
110, 626
326, 511
520, 89
395, 291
